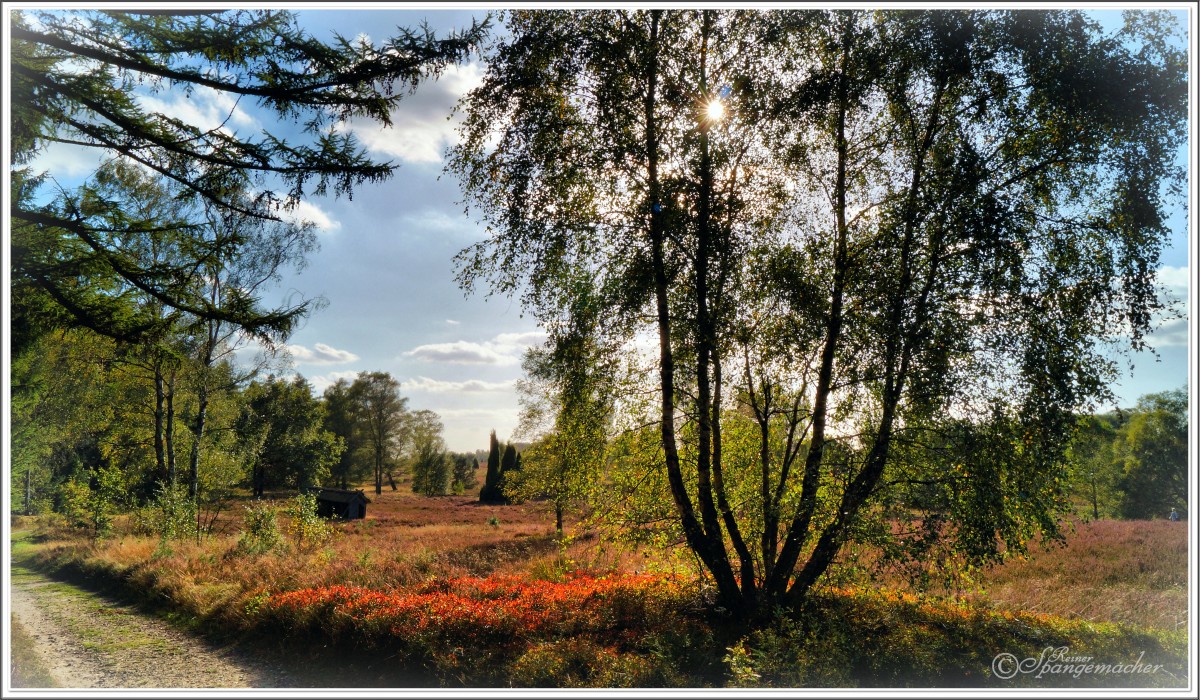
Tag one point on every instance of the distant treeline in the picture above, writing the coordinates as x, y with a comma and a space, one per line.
1133, 463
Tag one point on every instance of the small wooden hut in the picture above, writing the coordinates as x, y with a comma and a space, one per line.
341, 503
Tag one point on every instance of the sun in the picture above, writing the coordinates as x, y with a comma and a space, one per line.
715, 110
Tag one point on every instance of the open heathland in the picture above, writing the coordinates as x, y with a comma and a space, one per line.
445, 591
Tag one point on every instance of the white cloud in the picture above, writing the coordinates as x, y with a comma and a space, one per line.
437, 220
421, 129
321, 354
1174, 332
307, 212
323, 381
66, 160
1175, 278
436, 386
476, 413
461, 352
521, 339
504, 349
204, 108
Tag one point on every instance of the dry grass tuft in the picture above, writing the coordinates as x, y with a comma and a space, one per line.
1130, 571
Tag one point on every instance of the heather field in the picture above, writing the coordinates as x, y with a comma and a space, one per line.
444, 591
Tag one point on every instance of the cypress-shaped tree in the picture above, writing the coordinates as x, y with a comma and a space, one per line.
490, 493
508, 464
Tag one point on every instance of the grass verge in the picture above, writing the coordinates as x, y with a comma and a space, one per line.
466, 615
27, 668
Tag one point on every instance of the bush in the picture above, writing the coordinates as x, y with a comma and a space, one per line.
308, 530
91, 506
580, 663
171, 515
261, 529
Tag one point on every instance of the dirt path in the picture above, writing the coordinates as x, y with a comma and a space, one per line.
88, 640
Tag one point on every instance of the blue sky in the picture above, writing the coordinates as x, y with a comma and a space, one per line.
386, 268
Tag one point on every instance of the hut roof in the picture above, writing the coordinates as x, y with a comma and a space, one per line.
340, 495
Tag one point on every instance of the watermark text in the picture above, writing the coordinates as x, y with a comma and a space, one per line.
1060, 661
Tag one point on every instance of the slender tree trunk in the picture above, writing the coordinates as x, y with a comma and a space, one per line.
160, 450
696, 537
714, 539
761, 405
197, 437
258, 479
378, 474
206, 362
169, 429
898, 350
29, 491
798, 529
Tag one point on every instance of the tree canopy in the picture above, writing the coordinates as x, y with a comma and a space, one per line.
896, 242
81, 79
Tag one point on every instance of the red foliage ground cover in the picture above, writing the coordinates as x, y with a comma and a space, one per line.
472, 609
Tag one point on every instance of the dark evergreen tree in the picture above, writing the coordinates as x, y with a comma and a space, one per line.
510, 463
491, 493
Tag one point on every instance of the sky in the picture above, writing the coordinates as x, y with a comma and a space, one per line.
386, 269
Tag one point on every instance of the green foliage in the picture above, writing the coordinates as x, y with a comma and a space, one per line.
1132, 464
582, 663
432, 472
172, 515
632, 503
568, 398
741, 666
878, 638
463, 473
1094, 469
260, 529
354, 465
431, 465
491, 493
381, 413
509, 470
902, 216
508, 461
75, 500
1152, 451
75, 77
91, 506
65, 407
308, 531
284, 421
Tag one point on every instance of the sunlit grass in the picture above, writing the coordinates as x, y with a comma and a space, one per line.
430, 578
26, 666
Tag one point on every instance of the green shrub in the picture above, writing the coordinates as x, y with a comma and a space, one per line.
580, 663
260, 533
308, 530
171, 515
91, 507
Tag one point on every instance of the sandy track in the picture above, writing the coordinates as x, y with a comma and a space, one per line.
87, 640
